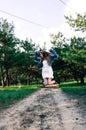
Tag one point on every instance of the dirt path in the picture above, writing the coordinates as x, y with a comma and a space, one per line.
46, 109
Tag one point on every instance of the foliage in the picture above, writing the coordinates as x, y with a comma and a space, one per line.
75, 50
16, 56
58, 40
79, 23
72, 58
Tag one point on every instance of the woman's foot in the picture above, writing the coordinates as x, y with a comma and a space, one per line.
52, 85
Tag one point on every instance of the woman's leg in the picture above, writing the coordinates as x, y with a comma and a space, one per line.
50, 81
45, 81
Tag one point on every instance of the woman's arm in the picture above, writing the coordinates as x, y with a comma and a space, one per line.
36, 57
53, 53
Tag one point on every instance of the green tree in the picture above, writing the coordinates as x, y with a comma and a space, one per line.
7, 49
26, 62
79, 23
72, 52
16, 56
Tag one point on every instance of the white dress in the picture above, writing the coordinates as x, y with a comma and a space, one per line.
47, 71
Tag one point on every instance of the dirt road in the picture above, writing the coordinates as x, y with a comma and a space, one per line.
46, 109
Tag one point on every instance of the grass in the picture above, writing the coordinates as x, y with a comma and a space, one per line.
12, 94
73, 88
76, 91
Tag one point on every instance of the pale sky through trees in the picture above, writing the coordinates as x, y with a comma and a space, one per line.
37, 18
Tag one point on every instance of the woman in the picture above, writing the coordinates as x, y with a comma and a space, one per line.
46, 64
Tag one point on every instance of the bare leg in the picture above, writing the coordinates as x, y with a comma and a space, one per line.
50, 81
45, 81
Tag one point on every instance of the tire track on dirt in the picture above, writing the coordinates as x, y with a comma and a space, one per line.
44, 114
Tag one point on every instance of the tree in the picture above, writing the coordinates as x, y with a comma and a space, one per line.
79, 23
16, 56
7, 49
26, 62
72, 52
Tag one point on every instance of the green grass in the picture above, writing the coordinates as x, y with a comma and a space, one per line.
12, 94
73, 88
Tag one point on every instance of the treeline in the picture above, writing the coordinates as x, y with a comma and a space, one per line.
17, 63
16, 57
72, 52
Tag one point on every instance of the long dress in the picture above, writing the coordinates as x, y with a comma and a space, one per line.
47, 71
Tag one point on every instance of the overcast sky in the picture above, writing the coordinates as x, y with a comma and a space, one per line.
37, 18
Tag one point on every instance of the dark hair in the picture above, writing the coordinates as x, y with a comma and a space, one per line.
46, 56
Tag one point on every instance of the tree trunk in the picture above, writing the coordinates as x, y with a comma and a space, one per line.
2, 78
28, 79
7, 77
82, 80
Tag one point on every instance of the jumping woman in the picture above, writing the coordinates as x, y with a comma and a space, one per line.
45, 58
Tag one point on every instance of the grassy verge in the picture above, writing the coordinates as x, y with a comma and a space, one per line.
73, 88
12, 94
77, 91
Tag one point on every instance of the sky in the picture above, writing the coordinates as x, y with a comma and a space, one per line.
36, 19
